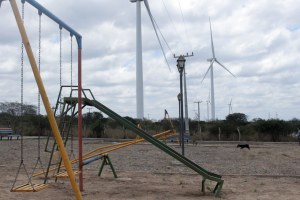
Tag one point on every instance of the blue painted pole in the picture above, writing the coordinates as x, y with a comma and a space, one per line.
57, 20
88, 161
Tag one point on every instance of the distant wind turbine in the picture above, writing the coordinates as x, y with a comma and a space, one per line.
230, 107
139, 55
212, 60
207, 103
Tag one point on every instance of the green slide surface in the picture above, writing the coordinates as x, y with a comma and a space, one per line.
203, 172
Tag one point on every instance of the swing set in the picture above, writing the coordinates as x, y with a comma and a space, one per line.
29, 186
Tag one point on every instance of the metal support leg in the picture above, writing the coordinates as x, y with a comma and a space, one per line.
106, 161
203, 185
218, 188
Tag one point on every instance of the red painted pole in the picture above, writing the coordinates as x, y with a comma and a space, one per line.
80, 120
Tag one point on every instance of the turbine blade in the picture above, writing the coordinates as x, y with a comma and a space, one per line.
208, 70
153, 24
211, 40
224, 67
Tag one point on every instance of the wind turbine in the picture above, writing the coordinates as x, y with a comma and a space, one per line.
139, 56
207, 103
212, 61
230, 107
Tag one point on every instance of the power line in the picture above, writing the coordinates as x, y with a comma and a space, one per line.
188, 38
154, 24
168, 13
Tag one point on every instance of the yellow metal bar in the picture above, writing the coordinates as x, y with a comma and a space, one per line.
45, 99
109, 146
88, 155
128, 144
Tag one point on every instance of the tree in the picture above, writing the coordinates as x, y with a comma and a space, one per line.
92, 117
226, 129
98, 129
237, 118
273, 127
133, 120
14, 108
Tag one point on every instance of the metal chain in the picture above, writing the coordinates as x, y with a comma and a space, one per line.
39, 96
60, 63
71, 60
60, 55
22, 87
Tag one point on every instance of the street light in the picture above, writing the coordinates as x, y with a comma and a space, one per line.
180, 67
180, 64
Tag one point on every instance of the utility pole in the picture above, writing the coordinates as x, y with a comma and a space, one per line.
187, 129
181, 69
85, 125
89, 109
198, 102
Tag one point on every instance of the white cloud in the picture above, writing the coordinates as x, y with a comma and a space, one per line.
256, 40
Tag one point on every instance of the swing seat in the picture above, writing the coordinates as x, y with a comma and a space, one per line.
29, 187
64, 174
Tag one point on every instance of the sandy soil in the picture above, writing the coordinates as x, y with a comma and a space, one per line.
267, 171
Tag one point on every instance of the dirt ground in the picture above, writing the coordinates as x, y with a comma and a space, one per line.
267, 171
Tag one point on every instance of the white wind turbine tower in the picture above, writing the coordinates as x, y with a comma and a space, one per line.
139, 56
139, 63
230, 107
212, 60
207, 103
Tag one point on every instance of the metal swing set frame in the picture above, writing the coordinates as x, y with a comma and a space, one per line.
50, 114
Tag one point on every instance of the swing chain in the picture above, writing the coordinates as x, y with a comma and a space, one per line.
60, 55
22, 164
60, 63
22, 87
39, 96
71, 60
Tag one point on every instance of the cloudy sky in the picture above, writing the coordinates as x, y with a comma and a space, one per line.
258, 41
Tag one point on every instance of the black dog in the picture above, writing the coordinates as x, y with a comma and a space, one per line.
243, 146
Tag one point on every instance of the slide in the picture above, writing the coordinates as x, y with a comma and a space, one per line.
204, 173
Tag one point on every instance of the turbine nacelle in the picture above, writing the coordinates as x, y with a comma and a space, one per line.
133, 1
210, 59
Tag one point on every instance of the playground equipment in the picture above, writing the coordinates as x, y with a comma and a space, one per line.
91, 102
67, 113
99, 152
42, 88
29, 186
39, 164
204, 173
